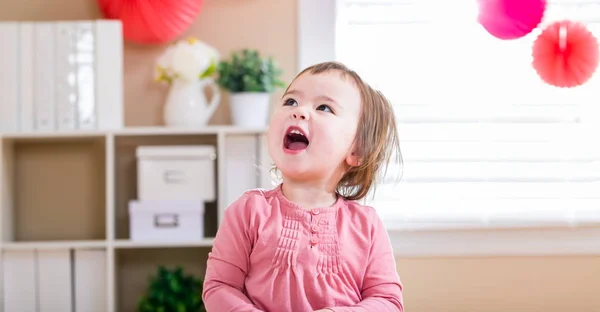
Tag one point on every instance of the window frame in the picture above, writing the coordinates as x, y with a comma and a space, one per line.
316, 37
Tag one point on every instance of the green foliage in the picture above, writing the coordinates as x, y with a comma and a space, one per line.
172, 291
248, 71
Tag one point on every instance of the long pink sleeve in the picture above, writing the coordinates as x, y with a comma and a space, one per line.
228, 262
382, 290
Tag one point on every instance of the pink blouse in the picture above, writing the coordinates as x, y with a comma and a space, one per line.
269, 254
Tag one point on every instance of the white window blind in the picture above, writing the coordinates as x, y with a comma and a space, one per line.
485, 142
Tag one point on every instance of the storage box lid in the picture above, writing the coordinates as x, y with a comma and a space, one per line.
165, 206
177, 151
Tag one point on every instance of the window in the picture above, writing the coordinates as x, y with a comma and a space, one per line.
485, 142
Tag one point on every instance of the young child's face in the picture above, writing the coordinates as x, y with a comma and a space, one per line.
313, 127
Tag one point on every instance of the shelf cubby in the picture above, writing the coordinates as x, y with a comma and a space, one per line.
54, 189
134, 267
126, 175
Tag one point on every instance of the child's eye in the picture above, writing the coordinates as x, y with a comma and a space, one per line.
325, 108
290, 102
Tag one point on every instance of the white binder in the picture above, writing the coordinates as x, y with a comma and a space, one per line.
87, 102
66, 75
90, 280
9, 84
26, 74
44, 76
54, 280
19, 281
109, 74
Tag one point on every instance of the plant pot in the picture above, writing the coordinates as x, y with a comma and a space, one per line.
249, 109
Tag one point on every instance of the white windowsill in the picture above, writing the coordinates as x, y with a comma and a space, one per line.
541, 241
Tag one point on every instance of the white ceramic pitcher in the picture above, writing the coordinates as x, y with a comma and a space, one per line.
186, 104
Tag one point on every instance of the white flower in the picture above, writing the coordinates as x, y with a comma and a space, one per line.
166, 59
186, 59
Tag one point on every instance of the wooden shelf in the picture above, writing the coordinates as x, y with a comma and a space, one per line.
68, 193
123, 244
92, 244
43, 245
136, 131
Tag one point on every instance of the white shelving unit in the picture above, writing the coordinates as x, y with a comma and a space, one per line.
69, 192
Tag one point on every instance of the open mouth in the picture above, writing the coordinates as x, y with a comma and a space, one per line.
295, 140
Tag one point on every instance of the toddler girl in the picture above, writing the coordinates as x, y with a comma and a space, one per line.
308, 245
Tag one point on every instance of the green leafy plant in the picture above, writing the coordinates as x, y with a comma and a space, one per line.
172, 291
248, 71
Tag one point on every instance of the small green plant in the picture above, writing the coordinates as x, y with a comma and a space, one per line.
248, 71
172, 291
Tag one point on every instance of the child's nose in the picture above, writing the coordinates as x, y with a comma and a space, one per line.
300, 114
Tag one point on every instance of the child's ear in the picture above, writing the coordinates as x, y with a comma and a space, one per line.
353, 159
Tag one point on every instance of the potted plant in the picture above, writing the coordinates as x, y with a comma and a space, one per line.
172, 290
250, 79
187, 66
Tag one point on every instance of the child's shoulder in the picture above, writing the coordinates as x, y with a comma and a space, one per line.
251, 201
361, 213
257, 194
364, 219
358, 209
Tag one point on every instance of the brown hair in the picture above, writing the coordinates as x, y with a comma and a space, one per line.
376, 140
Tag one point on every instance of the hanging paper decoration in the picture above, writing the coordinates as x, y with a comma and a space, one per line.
565, 54
152, 22
510, 19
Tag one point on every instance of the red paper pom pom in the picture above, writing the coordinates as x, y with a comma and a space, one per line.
565, 54
152, 22
510, 19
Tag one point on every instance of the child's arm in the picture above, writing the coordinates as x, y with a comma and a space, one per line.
382, 289
227, 263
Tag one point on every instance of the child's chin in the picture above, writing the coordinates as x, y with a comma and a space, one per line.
294, 172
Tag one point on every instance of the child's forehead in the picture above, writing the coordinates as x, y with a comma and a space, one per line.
329, 81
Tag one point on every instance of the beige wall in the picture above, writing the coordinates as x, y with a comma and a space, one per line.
431, 284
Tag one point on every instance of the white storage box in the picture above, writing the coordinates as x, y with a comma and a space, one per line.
166, 220
176, 172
